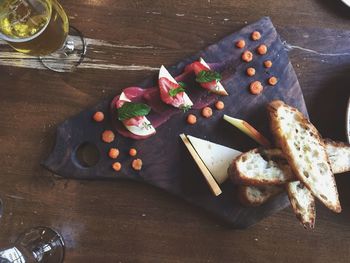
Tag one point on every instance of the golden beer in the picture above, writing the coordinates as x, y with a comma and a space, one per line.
34, 27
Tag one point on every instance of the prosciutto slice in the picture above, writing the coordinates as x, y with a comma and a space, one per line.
160, 112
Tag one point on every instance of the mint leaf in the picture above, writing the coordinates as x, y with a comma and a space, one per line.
174, 92
182, 84
208, 76
130, 110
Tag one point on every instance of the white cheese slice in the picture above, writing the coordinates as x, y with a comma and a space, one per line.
219, 89
217, 158
164, 73
213, 185
145, 128
122, 97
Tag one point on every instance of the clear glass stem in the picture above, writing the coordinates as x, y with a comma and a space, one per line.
69, 56
37, 245
43, 249
69, 46
11, 255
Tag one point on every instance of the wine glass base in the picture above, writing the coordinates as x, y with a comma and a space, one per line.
70, 56
43, 244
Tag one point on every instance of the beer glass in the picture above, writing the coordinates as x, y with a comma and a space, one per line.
41, 28
36, 245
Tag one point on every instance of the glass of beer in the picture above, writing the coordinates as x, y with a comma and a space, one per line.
41, 28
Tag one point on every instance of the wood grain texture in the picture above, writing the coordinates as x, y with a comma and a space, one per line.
167, 164
127, 222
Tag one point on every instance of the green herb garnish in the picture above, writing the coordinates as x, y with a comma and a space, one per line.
174, 92
208, 76
182, 84
185, 108
130, 110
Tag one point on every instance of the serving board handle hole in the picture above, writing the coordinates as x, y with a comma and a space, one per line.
86, 155
78, 152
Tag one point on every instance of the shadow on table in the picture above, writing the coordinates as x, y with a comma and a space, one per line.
337, 7
328, 110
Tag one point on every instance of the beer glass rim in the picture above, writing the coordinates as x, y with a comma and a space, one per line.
18, 40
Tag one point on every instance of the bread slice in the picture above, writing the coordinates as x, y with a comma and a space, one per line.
305, 152
301, 199
261, 167
303, 203
339, 156
257, 195
269, 166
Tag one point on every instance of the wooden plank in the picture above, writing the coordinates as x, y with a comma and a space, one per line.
104, 221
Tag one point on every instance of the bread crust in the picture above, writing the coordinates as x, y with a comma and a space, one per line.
339, 160
308, 216
336, 143
232, 170
277, 156
273, 108
239, 177
245, 199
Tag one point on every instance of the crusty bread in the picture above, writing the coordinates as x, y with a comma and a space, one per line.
305, 152
261, 167
257, 195
269, 166
339, 156
303, 203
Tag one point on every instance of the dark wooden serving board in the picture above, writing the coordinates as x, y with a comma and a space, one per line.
167, 164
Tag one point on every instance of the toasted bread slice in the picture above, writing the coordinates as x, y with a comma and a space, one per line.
339, 156
304, 149
257, 195
301, 199
269, 166
261, 167
303, 203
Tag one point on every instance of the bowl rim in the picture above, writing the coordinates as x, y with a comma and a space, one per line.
346, 2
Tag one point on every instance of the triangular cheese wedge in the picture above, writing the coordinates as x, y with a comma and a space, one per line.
214, 187
217, 158
219, 88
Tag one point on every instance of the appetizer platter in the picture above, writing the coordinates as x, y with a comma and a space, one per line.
173, 131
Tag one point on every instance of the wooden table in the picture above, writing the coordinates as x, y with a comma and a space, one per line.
128, 222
